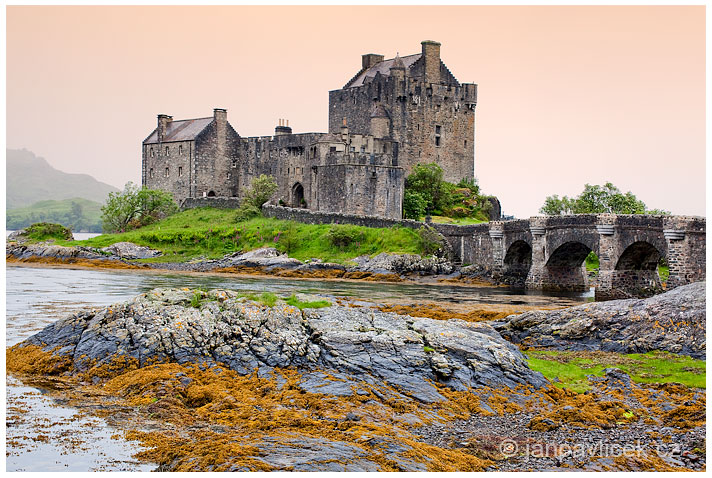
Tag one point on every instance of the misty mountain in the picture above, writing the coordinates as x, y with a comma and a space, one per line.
31, 179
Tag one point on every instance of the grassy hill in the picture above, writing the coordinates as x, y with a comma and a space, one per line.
78, 214
212, 233
31, 179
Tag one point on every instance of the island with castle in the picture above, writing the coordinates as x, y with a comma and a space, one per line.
392, 115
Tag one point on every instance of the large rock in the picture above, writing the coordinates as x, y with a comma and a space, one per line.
353, 345
129, 250
673, 321
385, 263
40, 250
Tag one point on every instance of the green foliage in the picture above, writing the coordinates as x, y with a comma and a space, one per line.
197, 300
44, 231
211, 233
430, 241
259, 192
344, 235
597, 199
135, 207
571, 368
414, 204
427, 193
316, 304
79, 215
428, 349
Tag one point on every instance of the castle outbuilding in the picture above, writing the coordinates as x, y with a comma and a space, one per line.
392, 115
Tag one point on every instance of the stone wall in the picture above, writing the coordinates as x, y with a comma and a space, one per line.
168, 167
217, 154
317, 217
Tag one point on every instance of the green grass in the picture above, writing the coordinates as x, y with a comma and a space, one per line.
211, 233
316, 304
43, 231
571, 368
462, 221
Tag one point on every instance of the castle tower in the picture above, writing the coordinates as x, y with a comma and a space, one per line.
428, 111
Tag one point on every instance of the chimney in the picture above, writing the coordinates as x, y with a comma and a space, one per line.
282, 128
163, 122
220, 118
370, 59
431, 58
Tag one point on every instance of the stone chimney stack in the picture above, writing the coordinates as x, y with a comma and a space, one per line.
220, 118
282, 128
370, 59
163, 122
431, 58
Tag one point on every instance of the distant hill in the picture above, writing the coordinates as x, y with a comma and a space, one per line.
78, 214
31, 179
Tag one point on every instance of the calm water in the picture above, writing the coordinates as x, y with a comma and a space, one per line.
38, 296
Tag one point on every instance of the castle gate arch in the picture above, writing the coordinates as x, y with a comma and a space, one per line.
298, 195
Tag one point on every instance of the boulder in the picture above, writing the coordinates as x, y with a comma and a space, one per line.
385, 263
129, 250
673, 321
352, 345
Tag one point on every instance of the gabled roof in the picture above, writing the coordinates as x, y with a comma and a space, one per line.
383, 67
181, 130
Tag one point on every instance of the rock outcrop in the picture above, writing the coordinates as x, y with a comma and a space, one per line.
673, 321
349, 344
129, 250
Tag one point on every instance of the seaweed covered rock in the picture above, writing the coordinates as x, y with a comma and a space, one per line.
673, 321
350, 344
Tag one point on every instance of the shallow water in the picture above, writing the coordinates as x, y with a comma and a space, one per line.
51, 437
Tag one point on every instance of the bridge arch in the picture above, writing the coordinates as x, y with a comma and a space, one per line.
635, 272
565, 269
517, 262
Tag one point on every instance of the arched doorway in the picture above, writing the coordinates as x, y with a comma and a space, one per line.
298, 196
211, 194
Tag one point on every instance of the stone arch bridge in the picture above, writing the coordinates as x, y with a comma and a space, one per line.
548, 252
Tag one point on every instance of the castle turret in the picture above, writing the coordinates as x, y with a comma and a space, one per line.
380, 122
163, 122
398, 68
431, 58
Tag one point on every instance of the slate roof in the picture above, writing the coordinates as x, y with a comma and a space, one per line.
384, 68
181, 130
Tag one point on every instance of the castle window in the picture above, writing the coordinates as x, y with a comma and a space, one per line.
363, 148
352, 149
180, 171
166, 172
437, 130
437, 135
385, 148
152, 153
167, 151
437, 141
466, 143
150, 173
234, 163
332, 149
180, 150
229, 175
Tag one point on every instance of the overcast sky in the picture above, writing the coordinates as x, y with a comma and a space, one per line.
566, 95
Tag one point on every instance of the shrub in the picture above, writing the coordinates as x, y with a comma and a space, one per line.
430, 241
43, 231
414, 205
261, 190
343, 236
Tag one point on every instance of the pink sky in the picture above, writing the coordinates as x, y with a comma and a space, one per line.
567, 95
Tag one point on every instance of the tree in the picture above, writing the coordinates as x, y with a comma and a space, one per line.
261, 190
427, 180
414, 205
597, 199
135, 207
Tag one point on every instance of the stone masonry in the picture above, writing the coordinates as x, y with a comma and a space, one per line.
392, 115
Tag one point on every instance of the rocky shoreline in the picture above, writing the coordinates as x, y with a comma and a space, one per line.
233, 383
267, 261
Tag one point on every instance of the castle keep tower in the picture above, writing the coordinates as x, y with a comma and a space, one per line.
430, 114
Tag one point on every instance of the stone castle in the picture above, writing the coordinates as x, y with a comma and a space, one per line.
392, 115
